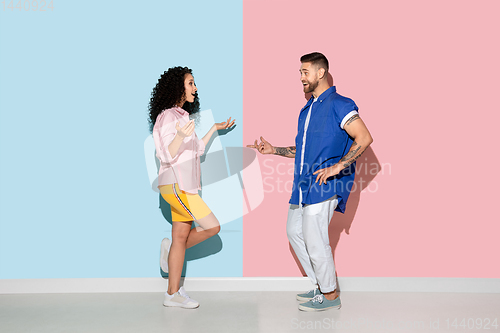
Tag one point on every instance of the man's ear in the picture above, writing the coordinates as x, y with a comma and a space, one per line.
322, 73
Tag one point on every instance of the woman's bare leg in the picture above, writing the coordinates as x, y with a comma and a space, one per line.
180, 233
208, 226
184, 237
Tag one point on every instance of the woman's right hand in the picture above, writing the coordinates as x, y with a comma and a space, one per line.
224, 125
186, 130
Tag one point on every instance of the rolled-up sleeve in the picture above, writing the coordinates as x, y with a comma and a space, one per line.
344, 108
165, 133
201, 147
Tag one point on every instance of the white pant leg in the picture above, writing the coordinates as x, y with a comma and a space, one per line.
315, 221
296, 239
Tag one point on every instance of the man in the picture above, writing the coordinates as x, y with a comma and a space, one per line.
331, 136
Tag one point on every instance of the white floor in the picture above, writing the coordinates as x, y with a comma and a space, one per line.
249, 312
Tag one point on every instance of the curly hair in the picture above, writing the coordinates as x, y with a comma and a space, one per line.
168, 92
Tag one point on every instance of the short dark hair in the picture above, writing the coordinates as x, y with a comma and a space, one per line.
317, 59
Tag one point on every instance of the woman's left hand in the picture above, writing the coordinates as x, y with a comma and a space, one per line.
225, 125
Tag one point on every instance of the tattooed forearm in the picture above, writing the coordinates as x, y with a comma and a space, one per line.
281, 151
361, 141
353, 118
350, 155
285, 151
352, 161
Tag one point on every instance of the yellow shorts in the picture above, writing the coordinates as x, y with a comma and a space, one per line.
185, 206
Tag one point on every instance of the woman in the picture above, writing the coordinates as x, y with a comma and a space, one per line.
173, 101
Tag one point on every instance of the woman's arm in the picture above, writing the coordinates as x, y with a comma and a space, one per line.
182, 132
209, 134
216, 127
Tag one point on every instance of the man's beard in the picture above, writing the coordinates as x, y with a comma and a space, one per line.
311, 86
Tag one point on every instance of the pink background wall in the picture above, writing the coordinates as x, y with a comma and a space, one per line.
425, 77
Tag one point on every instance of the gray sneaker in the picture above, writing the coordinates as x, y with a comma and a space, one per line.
304, 297
320, 303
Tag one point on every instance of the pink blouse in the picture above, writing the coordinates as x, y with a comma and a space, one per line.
183, 168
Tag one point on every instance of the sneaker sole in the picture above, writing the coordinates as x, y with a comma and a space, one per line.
303, 299
165, 243
164, 266
308, 309
179, 305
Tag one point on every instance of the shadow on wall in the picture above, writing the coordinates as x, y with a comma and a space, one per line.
206, 248
367, 168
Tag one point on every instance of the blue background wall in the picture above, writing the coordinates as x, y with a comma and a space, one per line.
74, 88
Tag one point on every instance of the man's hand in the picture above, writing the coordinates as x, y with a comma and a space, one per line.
224, 125
324, 174
263, 147
186, 130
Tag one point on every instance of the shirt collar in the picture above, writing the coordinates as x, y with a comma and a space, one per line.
180, 111
327, 93
321, 97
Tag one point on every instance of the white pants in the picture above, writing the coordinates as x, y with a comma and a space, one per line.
307, 230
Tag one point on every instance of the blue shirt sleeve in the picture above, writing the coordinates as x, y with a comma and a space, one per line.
343, 107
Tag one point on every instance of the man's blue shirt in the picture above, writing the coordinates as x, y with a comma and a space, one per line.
326, 144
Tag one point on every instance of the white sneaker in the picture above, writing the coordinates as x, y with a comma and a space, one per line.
180, 299
165, 248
